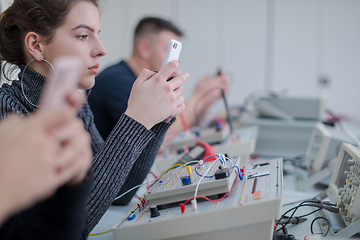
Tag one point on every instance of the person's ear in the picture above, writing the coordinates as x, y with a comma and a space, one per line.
34, 45
144, 48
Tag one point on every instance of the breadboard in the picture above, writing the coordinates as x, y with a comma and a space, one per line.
241, 214
242, 143
170, 189
209, 135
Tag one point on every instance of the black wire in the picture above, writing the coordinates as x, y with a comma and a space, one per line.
197, 114
336, 119
311, 225
294, 209
289, 218
296, 158
302, 204
291, 203
305, 215
227, 111
297, 161
278, 236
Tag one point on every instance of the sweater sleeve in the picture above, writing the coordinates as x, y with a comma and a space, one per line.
144, 163
114, 159
9, 104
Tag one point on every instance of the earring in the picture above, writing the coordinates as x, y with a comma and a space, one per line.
22, 76
88, 93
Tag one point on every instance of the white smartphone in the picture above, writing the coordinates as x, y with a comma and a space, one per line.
173, 51
66, 76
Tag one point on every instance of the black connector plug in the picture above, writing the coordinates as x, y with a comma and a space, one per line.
222, 173
280, 236
293, 220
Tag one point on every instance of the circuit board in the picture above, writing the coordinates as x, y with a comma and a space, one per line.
170, 188
209, 135
248, 211
242, 143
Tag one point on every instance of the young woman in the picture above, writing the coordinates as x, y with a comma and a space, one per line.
33, 34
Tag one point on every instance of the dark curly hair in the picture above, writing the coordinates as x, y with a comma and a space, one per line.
23, 16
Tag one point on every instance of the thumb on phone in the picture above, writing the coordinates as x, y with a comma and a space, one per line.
144, 76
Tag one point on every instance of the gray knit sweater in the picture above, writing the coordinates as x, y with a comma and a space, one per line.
119, 163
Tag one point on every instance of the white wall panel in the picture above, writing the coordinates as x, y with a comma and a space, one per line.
198, 19
341, 54
242, 43
111, 34
295, 47
5, 4
261, 44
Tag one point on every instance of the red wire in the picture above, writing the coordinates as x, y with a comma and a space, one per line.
208, 199
152, 172
310, 235
184, 122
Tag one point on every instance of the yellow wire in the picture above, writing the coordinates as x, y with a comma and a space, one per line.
93, 234
171, 168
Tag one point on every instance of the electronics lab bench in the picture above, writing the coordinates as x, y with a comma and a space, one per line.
290, 194
242, 213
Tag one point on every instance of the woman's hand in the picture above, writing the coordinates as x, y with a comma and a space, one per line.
154, 99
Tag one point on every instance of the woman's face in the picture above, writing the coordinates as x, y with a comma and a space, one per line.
79, 36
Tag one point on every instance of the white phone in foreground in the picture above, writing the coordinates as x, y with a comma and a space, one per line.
65, 78
173, 51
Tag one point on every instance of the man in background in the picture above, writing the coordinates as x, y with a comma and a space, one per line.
109, 97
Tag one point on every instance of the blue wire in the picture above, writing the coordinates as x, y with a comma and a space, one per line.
235, 167
239, 174
222, 161
202, 175
210, 156
203, 164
